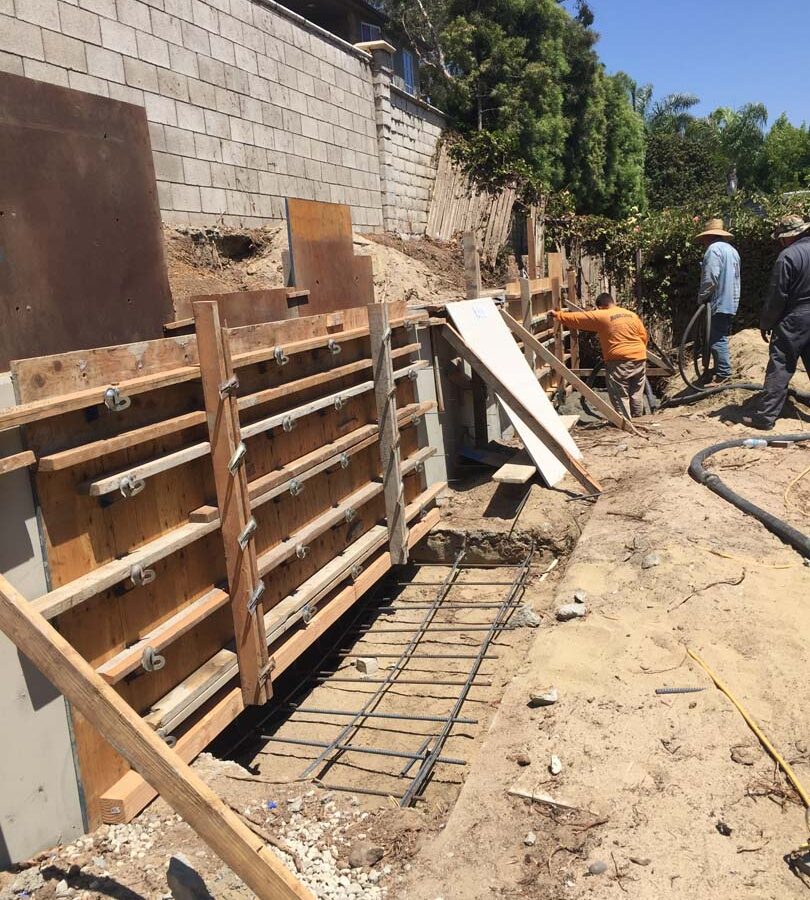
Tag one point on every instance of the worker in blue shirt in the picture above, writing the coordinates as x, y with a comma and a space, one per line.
720, 286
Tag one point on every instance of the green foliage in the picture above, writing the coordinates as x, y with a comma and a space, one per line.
682, 166
670, 271
786, 154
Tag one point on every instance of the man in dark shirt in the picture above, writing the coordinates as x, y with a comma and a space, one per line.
785, 319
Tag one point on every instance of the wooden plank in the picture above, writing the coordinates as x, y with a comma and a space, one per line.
64, 459
559, 346
518, 470
222, 413
17, 461
109, 484
574, 339
73, 593
287, 548
605, 408
531, 243
472, 266
182, 789
526, 316
249, 307
128, 660
528, 419
385, 396
125, 799
322, 256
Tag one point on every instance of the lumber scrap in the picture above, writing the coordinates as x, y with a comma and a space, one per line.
520, 468
385, 396
561, 369
131, 793
182, 789
236, 524
572, 465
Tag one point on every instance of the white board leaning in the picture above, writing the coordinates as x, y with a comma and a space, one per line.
480, 325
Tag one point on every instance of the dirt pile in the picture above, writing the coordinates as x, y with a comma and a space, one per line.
208, 261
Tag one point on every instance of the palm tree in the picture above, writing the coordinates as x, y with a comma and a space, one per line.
671, 113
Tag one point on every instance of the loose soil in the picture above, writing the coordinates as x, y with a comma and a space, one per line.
421, 271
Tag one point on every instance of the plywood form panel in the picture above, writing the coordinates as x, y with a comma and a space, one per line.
83, 262
82, 533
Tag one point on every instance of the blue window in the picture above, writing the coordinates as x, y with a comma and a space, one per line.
409, 71
370, 32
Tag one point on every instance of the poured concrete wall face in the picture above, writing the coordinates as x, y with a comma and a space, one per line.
39, 799
247, 104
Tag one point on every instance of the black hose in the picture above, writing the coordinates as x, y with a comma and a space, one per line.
699, 392
787, 533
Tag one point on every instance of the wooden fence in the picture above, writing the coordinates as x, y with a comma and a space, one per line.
457, 205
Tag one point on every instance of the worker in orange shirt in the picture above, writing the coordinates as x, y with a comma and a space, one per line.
623, 339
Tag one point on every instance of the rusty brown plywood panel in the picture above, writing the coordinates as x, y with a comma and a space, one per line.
81, 248
322, 256
248, 307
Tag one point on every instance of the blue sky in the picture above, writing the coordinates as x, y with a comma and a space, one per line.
727, 53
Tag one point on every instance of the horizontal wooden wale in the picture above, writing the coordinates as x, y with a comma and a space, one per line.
133, 529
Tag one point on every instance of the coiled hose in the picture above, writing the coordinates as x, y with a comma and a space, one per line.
787, 533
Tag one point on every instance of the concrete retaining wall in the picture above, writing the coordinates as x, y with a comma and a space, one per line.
247, 102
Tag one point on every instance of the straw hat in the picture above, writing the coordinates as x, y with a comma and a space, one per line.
714, 228
790, 226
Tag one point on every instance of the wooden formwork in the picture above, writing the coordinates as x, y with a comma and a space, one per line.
174, 476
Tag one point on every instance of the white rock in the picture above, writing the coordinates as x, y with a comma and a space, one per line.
555, 766
530, 840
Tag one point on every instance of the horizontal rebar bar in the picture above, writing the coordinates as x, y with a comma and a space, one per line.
457, 584
445, 606
433, 629
350, 748
416, 656
399, 681
311, 710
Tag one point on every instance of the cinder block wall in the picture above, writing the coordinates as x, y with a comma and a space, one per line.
415, 129
247, 103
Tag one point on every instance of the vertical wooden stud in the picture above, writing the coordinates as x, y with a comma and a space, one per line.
472, 284
526, 315
472, 265
559, 347
572, 298
385, 394
531, 243
227, 456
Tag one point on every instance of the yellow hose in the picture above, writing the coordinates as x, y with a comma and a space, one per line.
778, 758
793, 484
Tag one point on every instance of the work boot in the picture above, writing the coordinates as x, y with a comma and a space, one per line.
757, 422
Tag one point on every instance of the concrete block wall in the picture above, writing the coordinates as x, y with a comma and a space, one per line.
413, 136
247, 103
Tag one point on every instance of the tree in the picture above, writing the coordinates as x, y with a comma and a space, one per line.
624, 152
786, 153
670, 113
742, 137
682, 167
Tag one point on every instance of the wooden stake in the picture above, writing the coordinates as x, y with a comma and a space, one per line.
561, 369
559, 346
222, 414
572, 465
385, 393
182, 788
472, 266
531, 243
526, 315
574, 339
